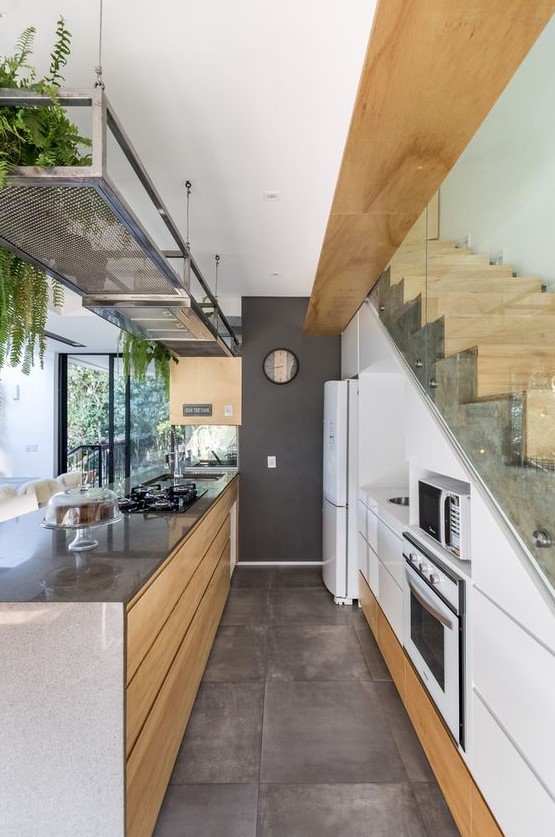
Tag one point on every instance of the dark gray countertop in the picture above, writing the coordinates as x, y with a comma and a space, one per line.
35, 562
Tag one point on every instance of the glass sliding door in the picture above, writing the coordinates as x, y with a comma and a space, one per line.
111, 427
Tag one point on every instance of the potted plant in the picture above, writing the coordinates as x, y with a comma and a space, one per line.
41, 136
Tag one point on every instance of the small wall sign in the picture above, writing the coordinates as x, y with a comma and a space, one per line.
197, 409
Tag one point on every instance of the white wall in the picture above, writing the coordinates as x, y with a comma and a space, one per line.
27, 412
501, 190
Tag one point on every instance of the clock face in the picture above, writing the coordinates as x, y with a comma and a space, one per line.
281, 366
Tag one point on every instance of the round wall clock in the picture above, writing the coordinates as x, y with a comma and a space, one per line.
281, 366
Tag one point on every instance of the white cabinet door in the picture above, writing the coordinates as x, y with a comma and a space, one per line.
522, 807
361, 513
372, 528
391, 600
374, 572
515, 676
363, 556
390, 552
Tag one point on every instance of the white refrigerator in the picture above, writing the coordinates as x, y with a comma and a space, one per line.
340, 490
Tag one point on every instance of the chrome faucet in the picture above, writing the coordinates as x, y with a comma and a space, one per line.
174, 448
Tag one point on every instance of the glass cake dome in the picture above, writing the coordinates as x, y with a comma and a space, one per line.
82, 509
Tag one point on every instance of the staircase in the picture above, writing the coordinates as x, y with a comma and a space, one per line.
482, 343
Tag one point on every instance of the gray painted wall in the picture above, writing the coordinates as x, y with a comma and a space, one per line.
281, 509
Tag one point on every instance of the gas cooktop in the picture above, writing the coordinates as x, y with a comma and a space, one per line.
154, 498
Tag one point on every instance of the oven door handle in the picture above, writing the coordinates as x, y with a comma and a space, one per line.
428, 605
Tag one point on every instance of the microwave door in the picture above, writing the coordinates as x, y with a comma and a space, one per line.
430, 510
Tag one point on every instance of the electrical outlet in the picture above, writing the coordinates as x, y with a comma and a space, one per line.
31, 448
500, 258
465, 243
272, 462
271, 196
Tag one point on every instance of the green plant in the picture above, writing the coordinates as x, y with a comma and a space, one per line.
38, 136
138, 353
41, 136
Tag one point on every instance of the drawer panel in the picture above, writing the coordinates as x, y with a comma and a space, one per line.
372, 529
151, 762
148, 679
151, 610
390, 551
391, 600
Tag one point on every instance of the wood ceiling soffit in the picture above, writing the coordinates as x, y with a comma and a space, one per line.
433, 70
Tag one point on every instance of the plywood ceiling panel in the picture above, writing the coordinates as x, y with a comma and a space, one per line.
433, 70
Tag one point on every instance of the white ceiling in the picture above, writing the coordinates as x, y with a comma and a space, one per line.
240, 98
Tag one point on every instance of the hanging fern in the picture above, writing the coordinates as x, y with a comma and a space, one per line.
24, 293
138, 353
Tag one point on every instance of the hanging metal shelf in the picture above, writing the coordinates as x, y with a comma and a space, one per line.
74, 223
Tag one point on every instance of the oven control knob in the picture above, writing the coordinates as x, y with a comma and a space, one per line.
434, 578
413, 557
423, 567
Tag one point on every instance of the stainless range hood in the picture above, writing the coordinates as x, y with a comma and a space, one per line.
75, 225
184, 330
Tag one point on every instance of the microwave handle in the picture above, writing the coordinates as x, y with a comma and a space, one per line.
428, 605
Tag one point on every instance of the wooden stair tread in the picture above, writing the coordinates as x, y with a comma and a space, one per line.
468, 303
398, 272
517, 329
414, 285
502, 369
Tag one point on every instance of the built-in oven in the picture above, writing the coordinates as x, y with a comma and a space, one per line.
433, 630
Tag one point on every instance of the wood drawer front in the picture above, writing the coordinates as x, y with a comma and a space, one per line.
392, 651
148, 679
150, 611
151, 762
451, 773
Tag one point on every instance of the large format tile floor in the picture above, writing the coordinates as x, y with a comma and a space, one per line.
297, 729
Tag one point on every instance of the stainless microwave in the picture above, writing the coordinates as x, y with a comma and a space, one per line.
444, 513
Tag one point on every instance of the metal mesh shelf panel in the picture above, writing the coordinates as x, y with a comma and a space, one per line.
74, 234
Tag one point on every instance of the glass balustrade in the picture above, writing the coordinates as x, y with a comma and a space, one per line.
470, 302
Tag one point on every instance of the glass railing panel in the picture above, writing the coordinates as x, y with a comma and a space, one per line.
487, 303
400, 297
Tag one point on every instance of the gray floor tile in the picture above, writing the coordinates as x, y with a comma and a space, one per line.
363, 810
327, 732
434, 811
372, 654
245, 576
238, 654
296, 606
315, 652
246, 606
208, 811
411, 752
297, 577
222, 741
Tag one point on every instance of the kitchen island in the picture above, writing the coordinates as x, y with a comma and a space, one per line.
102, 654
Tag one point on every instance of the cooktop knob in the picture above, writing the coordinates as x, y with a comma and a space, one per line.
423, 567
434, 578
413, 557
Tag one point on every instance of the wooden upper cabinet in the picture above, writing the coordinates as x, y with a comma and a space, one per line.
205, 390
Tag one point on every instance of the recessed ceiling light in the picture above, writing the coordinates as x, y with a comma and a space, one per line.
275, 273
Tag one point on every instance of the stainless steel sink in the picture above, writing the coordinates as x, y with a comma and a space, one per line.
398, 501
190, 476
